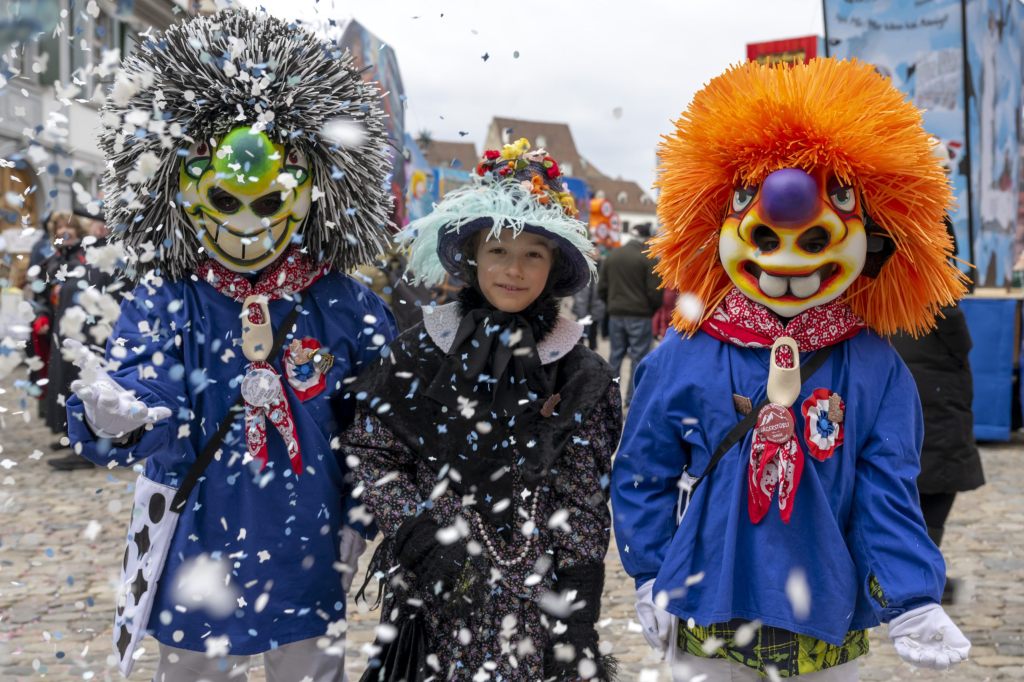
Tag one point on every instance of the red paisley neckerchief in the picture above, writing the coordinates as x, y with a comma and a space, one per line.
742, 322
291, 273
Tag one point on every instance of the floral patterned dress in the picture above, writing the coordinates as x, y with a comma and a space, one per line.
504, 636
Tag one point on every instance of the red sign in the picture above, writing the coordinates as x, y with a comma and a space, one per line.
788, 51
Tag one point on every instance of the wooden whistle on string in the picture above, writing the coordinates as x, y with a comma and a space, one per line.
784, 382
257, 334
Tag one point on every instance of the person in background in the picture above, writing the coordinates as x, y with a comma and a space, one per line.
34, 291
629, 289
662, 319
88, 306
43, 248
51, 276
589, 309
950, 462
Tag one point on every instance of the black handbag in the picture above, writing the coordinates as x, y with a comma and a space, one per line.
403, 659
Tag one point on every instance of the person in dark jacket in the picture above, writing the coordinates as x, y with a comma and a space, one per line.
629, 288
66, 231
950, 462
587, 305
87, 306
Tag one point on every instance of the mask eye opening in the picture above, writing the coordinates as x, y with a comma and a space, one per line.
814, 240
765, 239
267, 205
223, 201
742, 198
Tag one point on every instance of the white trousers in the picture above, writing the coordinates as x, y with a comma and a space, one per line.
687, 668
302, 660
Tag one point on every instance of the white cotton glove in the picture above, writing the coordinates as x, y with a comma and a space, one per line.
112, 411
351, 548
927, 638
655, 621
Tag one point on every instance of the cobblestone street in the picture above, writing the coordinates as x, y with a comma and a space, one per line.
61, 538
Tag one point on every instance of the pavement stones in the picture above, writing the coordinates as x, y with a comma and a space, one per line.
62, 534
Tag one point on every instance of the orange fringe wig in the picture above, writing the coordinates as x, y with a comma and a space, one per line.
840, 115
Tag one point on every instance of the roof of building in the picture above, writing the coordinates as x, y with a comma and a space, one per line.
461, 155
626, 196
557, 139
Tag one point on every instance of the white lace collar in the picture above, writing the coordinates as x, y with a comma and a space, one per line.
442, 321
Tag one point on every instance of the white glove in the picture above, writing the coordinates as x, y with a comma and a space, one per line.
350, 549
927, 638
112, 411
655, 621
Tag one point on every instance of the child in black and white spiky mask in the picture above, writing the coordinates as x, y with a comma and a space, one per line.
243, 216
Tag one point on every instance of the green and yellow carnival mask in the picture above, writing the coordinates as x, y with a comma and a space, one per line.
246, 197
796, 242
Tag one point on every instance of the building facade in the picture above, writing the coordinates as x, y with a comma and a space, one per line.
51, 88
630, 202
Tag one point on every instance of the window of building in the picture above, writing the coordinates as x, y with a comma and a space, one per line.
541, 141
91, 37
17, 198
622, 198
566, 168
129, 40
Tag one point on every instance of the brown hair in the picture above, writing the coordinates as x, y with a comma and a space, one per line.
59, 218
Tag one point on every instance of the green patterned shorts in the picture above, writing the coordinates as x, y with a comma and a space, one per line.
790, 654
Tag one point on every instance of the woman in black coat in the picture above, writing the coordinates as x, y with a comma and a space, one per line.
950, 462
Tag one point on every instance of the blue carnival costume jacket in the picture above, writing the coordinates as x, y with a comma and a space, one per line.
180, 346
856, 531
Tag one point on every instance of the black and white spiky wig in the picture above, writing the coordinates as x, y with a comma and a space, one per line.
207, 75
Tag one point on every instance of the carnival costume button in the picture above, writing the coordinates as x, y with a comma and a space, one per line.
775, 424
261, 387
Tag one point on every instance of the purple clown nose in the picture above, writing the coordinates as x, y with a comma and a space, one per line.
789, 198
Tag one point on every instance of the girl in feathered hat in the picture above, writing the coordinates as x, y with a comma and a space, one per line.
764, 490
484, 439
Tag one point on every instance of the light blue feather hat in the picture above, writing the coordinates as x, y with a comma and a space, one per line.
515, 189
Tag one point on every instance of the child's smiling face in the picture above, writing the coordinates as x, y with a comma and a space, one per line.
512, 272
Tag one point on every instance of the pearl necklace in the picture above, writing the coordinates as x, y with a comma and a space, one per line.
491, 544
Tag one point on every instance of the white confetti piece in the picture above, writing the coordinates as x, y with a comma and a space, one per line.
92, 530
690, 307
345, 133
205, 583
798, 593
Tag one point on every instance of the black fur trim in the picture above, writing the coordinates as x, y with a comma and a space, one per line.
542, 314
588, 581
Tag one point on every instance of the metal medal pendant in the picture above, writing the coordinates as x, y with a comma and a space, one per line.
775, 424
261, 387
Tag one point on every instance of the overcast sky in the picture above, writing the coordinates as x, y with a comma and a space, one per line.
617, 71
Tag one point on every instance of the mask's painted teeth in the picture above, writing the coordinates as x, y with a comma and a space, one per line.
771, 285
805, 287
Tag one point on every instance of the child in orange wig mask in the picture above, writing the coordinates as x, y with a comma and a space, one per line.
764, 489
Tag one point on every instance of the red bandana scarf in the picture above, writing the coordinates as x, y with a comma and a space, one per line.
776, 460
290, 274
